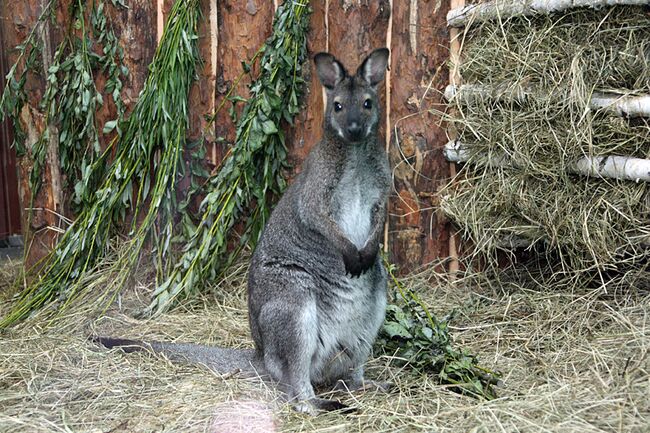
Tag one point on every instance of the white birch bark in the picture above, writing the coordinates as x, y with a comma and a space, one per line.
615, 167
505, 9
618, 104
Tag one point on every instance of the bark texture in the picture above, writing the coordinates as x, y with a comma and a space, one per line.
419, 50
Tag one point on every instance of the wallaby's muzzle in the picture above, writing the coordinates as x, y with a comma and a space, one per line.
354, 131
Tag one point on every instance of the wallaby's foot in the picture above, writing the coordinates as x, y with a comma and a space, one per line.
363, 385
315, 406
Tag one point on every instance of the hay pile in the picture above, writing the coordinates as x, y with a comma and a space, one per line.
572, 362
539, 75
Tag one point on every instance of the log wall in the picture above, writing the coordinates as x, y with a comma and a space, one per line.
233, 30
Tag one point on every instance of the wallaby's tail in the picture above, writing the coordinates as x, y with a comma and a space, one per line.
221, 360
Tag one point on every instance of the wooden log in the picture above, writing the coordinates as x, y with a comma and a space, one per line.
353, 29
17, 22
243, 26
417, 233
55, 192
309, 122
614, 166
468, 93
135, 28
202, 96
356, 28
10, 208
203, 93
619, 104
503, 9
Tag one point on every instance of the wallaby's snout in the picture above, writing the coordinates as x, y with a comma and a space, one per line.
354, 131
352, 112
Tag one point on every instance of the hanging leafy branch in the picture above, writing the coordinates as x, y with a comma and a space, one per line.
111, 61
135, 181
71, 99
14, 95
251, 174
413, 336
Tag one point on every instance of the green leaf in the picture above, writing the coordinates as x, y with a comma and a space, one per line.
269, 127
109, 126
396, 330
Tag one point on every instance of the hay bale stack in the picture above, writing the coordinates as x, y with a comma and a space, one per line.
535, 116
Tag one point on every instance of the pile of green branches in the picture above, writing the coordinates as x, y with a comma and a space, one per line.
584, 226
141, 178
412, 336
251, 174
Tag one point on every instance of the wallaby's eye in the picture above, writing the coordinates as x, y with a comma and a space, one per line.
367, 104
337, 106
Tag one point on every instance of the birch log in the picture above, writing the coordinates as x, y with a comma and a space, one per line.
505, 9
622, 105
618, 104
615, 167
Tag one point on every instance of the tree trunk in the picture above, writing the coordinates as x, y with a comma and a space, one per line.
419, 233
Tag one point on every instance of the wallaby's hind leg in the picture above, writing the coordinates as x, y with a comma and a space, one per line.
290, 335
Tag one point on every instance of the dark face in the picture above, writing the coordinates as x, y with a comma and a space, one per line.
352, 111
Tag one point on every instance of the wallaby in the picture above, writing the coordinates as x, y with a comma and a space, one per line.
317, 286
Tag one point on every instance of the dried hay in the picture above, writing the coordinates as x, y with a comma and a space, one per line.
572, 362
557, 62
9, 272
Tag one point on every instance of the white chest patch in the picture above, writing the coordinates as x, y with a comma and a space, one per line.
355, 197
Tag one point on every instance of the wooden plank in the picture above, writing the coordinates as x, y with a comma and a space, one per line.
418, 234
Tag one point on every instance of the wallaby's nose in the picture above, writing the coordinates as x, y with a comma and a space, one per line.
354, 129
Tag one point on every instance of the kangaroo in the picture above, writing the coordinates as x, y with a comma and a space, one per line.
317, 286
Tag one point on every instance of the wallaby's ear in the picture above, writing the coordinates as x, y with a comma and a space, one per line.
330, 71
374, 66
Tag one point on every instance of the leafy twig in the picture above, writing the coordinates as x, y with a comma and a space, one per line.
415, 337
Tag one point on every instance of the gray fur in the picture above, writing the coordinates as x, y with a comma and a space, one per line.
317, 286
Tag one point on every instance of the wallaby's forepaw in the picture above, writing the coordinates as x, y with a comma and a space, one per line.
352, 261
368, 256
359, 261
315, 406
